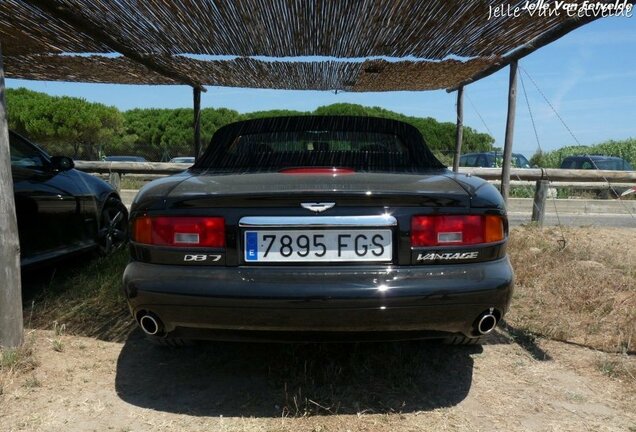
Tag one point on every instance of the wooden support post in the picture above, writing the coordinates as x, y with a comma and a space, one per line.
114, 178
538, 206
196, 92
11, 331
459, 133
510, 131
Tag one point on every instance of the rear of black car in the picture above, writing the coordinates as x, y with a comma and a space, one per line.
307, 228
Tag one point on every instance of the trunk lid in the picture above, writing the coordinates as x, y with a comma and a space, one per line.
285, 189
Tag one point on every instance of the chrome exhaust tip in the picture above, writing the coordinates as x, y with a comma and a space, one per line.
487, 322
150, 324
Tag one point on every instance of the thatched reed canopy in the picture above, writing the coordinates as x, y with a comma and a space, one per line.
370, 75
442, 42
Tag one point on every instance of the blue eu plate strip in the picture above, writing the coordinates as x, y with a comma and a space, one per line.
251, 246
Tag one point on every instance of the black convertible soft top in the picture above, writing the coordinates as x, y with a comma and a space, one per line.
416, 151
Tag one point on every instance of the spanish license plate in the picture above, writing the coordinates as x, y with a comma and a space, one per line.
318, 245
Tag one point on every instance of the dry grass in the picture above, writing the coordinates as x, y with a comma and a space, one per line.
584, 293
16, 361
618, 366
82, 298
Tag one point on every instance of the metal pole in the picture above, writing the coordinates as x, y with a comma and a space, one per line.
196, 92
11, 330
459, 133
510, 131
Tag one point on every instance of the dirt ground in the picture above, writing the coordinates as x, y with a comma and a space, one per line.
135, 386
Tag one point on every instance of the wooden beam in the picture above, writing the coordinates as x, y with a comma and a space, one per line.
528, 48
538, 205
114, 178
510, 130
196, 92
459, 132
11, 330
130, 167
525, 174
555, 175
69, 15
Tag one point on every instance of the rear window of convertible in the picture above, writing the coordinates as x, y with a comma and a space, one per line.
273, 151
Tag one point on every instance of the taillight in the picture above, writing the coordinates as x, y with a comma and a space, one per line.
180, 231
456, 230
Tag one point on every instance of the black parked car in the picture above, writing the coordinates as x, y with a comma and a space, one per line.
492, 160
596, 162
60, 210
183, 160
306, 228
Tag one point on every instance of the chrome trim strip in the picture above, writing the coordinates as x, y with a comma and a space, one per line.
384, 220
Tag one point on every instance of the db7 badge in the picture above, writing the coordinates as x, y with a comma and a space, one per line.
201, 258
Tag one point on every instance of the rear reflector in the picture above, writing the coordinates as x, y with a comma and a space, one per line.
318, 170
452, 230
180, 231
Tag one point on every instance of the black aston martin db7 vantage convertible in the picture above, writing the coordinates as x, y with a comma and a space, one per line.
312, 228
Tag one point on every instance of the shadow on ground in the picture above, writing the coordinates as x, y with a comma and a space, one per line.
273, 380
82, 294
37, 280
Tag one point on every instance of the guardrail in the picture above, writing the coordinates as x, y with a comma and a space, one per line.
130, 167
527, 174
544, 177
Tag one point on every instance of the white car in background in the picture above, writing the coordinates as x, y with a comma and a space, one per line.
183, 159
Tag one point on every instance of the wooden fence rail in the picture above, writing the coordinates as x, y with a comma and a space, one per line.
554, 174
527, 174
544, 177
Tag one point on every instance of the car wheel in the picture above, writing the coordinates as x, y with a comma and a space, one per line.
113, 231
170, 342
463, 340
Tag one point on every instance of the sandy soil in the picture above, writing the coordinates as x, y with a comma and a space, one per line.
134, 386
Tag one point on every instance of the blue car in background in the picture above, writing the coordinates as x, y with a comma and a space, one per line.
600, 162
492, 160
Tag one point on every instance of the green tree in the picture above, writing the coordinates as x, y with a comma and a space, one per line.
538, 159
161, 134
73, 126
625, 149
440, 136
272, 113
63, 125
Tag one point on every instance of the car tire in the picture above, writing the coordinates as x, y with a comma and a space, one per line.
463, 340
170, 342
113, 227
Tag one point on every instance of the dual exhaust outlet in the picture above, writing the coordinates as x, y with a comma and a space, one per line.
151, 324
486, 322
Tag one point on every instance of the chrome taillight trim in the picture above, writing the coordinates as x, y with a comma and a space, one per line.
384, 220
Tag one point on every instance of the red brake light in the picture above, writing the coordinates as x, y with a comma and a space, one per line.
451, 230
180, 231
318, 170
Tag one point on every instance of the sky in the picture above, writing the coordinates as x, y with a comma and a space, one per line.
587, 76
